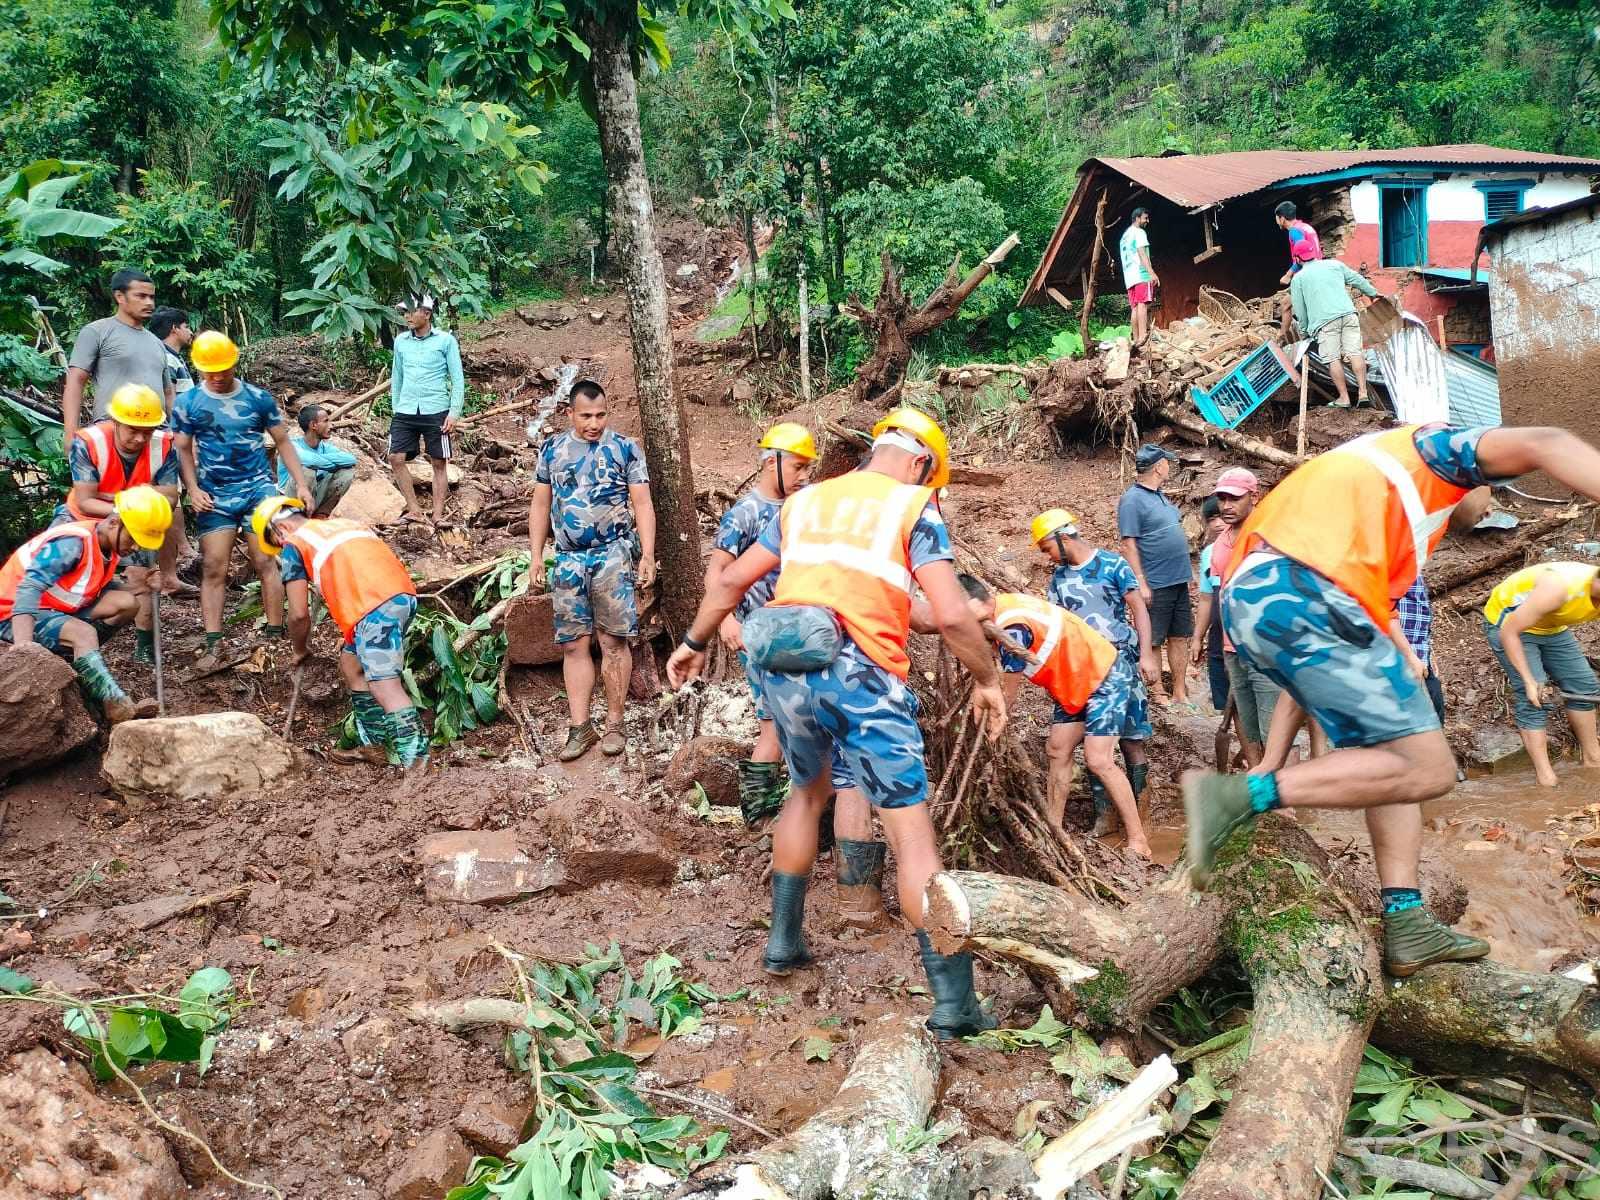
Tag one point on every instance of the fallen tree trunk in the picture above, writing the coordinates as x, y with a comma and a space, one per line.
1516, 551
1319, 992
1244, 444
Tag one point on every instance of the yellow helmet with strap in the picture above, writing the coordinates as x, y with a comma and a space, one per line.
926, 430
213, 350
145, 513
261, 519
1051, 521
792, 438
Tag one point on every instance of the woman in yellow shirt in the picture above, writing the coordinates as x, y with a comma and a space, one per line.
1530, 615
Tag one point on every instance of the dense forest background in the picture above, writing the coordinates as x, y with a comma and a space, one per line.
304, 191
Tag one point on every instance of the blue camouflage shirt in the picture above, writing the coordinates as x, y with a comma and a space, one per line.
1098, 591
741, 527
227, 432
56, 558
589, 484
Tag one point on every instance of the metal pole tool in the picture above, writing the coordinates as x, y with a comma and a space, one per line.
294, 701
155, 631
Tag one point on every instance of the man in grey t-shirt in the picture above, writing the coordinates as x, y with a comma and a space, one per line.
116, 350
1157, 549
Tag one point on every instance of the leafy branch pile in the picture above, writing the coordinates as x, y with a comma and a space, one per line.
589, 1113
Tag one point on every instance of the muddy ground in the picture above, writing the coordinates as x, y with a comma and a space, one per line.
324, 1087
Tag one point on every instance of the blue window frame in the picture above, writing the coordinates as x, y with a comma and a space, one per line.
1502, 197
1403, 222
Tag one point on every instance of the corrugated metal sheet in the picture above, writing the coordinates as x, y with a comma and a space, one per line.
1474, 390
1196, 180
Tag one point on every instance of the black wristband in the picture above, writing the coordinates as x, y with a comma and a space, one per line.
697, 647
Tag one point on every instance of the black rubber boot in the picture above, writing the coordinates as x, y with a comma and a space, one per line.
1105, 820
858, 869
956, 1011
1138, 777
786, 945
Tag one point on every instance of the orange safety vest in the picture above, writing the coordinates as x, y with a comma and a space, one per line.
1076, 659
1366, 515
846, 545
76, 589
107, 459
351, 568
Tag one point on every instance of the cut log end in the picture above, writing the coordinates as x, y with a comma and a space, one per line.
948, 915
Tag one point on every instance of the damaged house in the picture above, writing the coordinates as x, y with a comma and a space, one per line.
1409, 219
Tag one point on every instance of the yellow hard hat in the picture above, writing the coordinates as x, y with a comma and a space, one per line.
135, 404
262, 518
926, 430
213, 350
1051, 520
792, 438
146, 515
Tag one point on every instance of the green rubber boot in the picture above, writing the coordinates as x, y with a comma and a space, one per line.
1412, 939
956, 1011
1213, 807
1139, 777
762, 787
99, 684
858, 869
409, 741
786, 944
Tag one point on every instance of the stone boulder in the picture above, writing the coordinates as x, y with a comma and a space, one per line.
211, 756
482, 867
430, 1169
421, 471
373, 497
713, 763
59, 1139
42, 713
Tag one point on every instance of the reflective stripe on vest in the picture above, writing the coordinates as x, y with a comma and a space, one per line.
99, 440
1074, 659
1424, 525
845, 547
74, 590
350, 585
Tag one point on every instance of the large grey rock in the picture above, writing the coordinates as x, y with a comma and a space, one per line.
1498, 747
42, 713
482, 867
212, 756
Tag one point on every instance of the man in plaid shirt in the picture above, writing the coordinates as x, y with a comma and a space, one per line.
1415, 611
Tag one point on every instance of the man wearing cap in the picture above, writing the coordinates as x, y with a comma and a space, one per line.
426, 393
1099, 587
831, 649
371, 598
1309, 597
57, 590
1157, 549
591, 488
219, 423
127, 449
1255, 695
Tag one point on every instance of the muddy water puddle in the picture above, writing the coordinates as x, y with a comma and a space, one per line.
1499, 833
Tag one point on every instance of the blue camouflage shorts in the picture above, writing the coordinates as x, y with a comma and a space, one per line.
47, 627
232, 504
1118, 708
377, 638
753, 677
854, 720
593, 589
1315, 640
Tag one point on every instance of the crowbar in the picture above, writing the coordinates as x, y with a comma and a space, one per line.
294, 701
155, 630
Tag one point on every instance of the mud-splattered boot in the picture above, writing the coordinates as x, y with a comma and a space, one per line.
1413, 938
956, 1011
762, 788
786, 944
144, 647
408, 740
1105, 818
858, 869
99, 684
1216, 805
1139, 780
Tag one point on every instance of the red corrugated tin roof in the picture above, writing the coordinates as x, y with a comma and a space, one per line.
1196, 180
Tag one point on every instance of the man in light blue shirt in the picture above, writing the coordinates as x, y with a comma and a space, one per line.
426, 390
329, 469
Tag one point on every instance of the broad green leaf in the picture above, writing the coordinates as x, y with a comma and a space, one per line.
1388, 1111
817, 1049
207, 1048
15, 983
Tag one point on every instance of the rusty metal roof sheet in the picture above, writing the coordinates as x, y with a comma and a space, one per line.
1196, 180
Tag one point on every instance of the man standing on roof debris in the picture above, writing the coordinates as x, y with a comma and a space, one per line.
1100, 587
1138, 276
831, 649
1304, 244
1324, 311
127, 449
1529, 620
1157, 549
219, 423
1309, 598
427, 391
371, 598
592, 488
57, 590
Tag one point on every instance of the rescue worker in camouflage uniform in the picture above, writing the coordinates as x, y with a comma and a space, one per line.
127, 449
219, 424
371, 598
1309, 597
833, 660
1101, 588
788, 452
592, 488
56, 590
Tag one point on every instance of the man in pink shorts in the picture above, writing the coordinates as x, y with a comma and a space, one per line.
1138, 276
